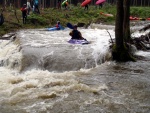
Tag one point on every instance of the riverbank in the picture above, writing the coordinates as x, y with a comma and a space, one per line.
48, 17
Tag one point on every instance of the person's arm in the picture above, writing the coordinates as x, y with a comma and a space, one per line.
60, 27
56, 25
80, 35
71, 33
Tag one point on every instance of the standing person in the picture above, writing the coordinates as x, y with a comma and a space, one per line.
65, 4
100, 5
24, 13
28, 6
86, 7
59, 4
32, 5
1, 19
36, 6
76, 34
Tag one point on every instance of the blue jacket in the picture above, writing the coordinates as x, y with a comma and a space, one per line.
36, 2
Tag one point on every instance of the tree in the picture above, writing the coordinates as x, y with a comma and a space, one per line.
120, 52
126, 21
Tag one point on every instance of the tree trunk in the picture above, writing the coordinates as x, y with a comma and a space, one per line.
126, 21
120, 52
119, 25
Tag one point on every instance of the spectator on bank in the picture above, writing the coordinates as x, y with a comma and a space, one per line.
100, 5
86, 7
36, 6
59, 4
24, 13
28, 7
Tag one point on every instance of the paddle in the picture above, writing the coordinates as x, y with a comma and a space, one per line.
69, 25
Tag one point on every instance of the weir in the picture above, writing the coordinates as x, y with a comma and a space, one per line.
48, 50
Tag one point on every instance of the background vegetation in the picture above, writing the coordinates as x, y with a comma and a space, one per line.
53, 3
74, 15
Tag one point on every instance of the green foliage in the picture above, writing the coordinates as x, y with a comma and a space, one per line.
142, 12
75, 14
37, 19
109, 9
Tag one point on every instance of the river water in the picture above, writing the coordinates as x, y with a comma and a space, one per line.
40, 72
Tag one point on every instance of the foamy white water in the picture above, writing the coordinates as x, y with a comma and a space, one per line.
51, 50
34, 83
88, 87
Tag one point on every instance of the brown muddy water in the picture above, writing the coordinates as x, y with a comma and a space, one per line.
39, 74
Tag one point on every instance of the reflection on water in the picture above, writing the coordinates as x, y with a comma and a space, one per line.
107, 88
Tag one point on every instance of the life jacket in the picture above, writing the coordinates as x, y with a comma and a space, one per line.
24, 10
76, 35
57, 25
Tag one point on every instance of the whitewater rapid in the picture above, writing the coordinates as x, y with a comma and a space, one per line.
51, 51
40, 72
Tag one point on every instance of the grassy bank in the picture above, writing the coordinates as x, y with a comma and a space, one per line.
50, 16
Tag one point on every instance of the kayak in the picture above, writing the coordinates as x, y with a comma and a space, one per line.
105, 14
133, 18
54, 29
100, 1
75, 41
64, 2
148, 18
86, 2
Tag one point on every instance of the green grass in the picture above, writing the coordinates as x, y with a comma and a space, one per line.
142, 12
75, 14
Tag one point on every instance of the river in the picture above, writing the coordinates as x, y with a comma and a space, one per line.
40, 72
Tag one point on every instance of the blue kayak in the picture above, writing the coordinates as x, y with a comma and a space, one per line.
54, 28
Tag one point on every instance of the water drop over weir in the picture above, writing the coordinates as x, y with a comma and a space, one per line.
42, 87
48, 50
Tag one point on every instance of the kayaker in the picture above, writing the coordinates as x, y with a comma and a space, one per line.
58, 26
76, 34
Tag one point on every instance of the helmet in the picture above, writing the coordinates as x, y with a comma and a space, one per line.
75, 26
58, 22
